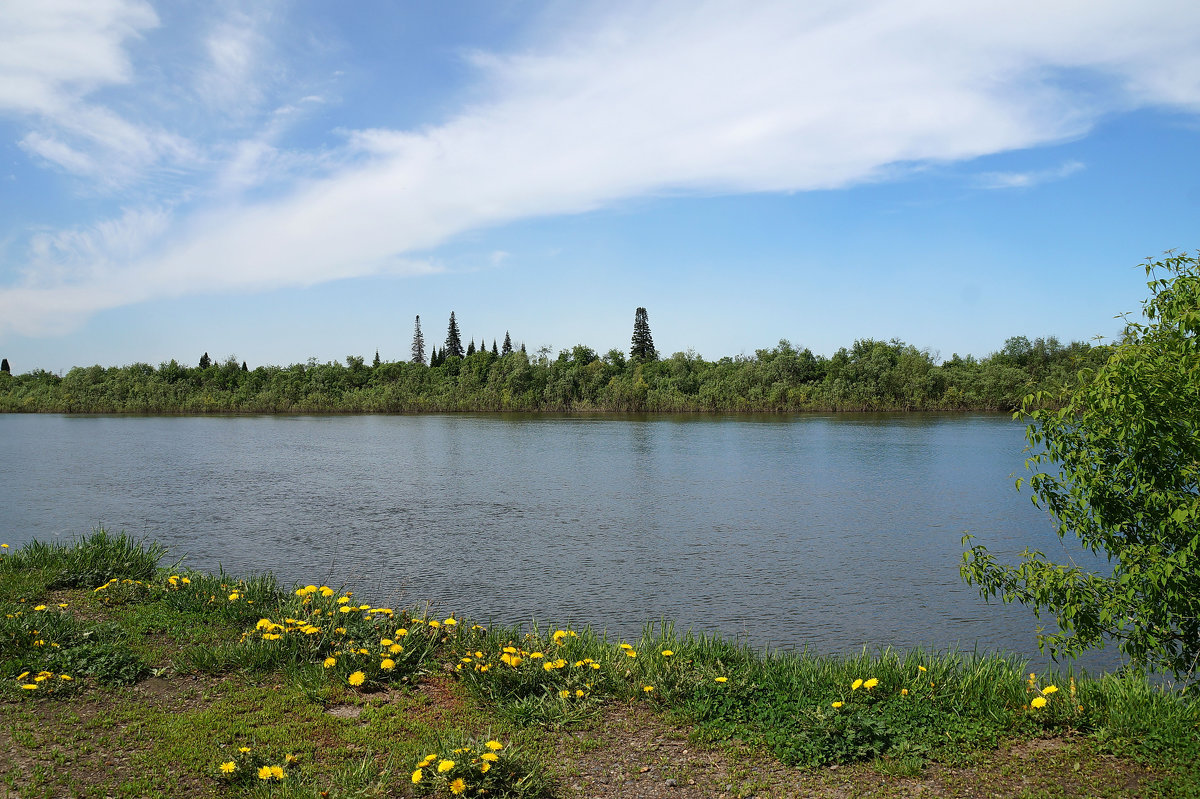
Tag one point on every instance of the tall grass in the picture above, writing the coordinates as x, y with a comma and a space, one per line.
88, 561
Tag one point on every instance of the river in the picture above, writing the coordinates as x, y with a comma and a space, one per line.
830, 532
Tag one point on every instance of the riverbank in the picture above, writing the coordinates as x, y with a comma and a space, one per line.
121, 677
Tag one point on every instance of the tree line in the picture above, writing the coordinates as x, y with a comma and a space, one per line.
870, 375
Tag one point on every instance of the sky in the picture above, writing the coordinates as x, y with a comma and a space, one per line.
283, 181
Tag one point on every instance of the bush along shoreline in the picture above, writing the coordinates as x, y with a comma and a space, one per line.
870, 376
119, 675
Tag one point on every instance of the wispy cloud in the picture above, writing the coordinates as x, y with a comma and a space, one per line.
635, 100
1025, 180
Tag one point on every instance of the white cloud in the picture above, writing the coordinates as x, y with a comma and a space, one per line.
640, 100
1025, 180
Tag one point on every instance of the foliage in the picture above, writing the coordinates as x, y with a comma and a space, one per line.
869, 376
1118, 467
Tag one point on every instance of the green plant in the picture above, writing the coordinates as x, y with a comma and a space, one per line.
460, 766
1118, 467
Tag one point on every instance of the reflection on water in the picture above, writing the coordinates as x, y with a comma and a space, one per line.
828, 532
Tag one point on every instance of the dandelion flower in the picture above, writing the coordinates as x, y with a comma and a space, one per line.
40, 607
647, 688
1038, 702
631, 653
357, 678
264, 773
922, 668
578, 692
485, 767
444, 766
491, 757
450, 622
330, 662
495, 746
385, 641
837, 704
387, 664
416, 776
854, 686
435, 624
565, 693
228, 767
667, 653
457, 786
871, 683
245, 750
277, 772
30, 686
903, 692
720, 679
1049, 689
289, 758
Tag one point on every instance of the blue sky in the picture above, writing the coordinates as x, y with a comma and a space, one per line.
285, 181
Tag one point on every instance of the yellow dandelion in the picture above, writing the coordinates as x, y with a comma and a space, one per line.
647, 688
30, 686
342, 600
264, 773
578, 693
457, 786
40, 607
565, 693
277, 772
903, 692
837, 704
631, 653
244, 750
495, 746
491, 757
667, 653
228, 767
450, 622
385, 641
1049, 689
416, 776
387, 664
401, 632
1038, 702
854, 686
720, 679
435, 624
871, 683
922, 668
444, 766
485, 767
357, 678
330, 662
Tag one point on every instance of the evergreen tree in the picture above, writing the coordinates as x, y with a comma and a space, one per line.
205, 361
244, 369
471, 347
376, 361
454, 345
642, 344
418, 347
507, 344
522, 347
436, 358
4, 366
495, 349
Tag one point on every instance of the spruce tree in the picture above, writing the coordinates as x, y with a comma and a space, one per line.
471, 347
418, 345
376, 361
244, 369
205, 361
642, 344
507, 344
454, 345
495, 349
4, 366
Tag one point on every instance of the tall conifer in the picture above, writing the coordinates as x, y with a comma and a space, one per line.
418, 345
507, 344
642, 344
453, 340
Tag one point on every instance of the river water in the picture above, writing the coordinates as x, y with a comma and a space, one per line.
830, 532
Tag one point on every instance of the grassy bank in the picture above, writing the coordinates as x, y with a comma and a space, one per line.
119, 677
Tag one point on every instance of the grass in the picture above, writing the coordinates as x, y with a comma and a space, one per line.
119, 677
